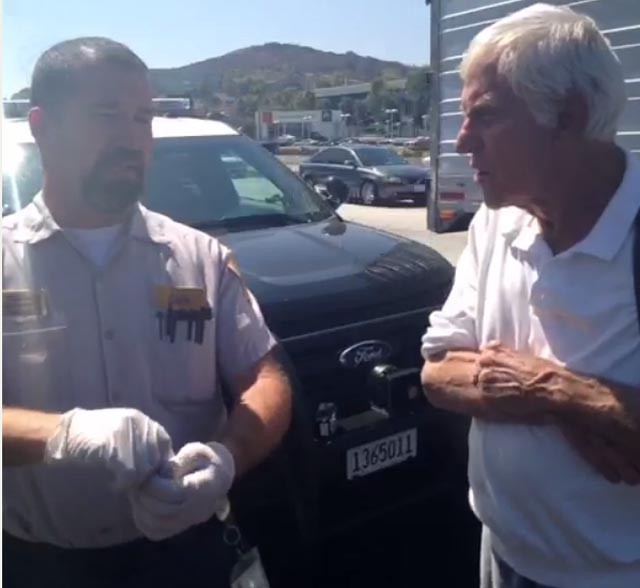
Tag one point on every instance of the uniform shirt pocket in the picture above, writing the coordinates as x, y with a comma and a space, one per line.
36, 371
185, 387
184, 371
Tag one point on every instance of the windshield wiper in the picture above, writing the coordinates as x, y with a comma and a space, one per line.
254, 221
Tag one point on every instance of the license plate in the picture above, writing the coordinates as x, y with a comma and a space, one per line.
381, 454
419, 188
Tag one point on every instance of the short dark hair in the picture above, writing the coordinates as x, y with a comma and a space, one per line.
59, 67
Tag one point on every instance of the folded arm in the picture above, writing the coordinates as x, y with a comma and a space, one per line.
25, 434
600, 419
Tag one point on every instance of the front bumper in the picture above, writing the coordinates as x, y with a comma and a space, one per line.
315, 530
392, 192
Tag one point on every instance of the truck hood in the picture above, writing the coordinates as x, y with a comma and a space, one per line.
316, 276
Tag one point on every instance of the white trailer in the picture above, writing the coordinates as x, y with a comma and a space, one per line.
454, 23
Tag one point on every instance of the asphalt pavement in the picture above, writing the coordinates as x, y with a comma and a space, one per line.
409, 221
403, 218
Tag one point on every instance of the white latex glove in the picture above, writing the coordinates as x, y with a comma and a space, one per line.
196, 487
123, 440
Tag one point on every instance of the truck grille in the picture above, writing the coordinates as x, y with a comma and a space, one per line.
324, 379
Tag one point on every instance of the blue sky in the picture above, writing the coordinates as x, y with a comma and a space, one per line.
168, 33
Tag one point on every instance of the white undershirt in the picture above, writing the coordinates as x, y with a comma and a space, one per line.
96, 244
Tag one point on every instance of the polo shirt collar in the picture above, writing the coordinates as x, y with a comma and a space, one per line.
612, 228
610, 231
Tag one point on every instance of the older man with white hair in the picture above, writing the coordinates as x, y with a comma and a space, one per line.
539, 339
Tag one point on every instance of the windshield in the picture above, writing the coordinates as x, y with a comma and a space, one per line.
373, 156
207, 182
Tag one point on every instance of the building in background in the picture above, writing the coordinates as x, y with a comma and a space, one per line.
301, 124
356, 91
16, 108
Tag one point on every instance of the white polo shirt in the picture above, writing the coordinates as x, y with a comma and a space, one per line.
102, 342
552, 517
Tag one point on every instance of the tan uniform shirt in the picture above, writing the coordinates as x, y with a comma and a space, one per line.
100, 340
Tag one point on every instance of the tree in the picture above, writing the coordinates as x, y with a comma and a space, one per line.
361, 113
419, 83
306, 101
375, 99
323, 82
419, 92
23, 94
228, 83
285, 100
377, 86
204, 91
347, 105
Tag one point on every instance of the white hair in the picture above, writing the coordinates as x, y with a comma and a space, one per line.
547, 52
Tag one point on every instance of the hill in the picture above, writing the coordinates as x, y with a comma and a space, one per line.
234, 86
272, 68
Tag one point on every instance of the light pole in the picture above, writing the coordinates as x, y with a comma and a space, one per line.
391, 112
424, 118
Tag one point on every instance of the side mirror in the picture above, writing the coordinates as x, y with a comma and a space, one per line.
350, 163
337, 191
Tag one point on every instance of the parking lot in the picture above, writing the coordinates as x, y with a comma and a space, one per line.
404, 218
409, 221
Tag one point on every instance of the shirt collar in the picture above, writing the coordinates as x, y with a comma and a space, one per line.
526, 235
35, 223
612, 228
610, 231
146, 226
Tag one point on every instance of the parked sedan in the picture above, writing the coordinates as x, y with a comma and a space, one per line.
373, 174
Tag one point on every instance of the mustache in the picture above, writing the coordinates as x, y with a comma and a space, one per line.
121, 156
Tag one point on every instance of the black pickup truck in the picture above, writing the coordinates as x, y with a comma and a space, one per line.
369, 485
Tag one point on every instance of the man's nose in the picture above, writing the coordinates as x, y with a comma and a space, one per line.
129, 133
467, 140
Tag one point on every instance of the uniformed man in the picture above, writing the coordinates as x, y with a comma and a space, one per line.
119, 326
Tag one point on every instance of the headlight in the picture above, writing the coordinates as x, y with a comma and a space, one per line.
393, 180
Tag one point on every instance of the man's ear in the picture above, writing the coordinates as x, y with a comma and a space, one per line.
573, 116
37, 122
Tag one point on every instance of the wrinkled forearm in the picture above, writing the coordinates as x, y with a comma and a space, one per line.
260, 419
609, 410
449, 381
25, 434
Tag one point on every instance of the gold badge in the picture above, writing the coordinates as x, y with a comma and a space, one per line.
25, 303
186, 306
180, 298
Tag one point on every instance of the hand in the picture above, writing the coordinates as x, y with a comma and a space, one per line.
124, 440
515, 383
605, 459
522, 371
187, 493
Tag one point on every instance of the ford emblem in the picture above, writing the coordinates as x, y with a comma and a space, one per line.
364, 353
